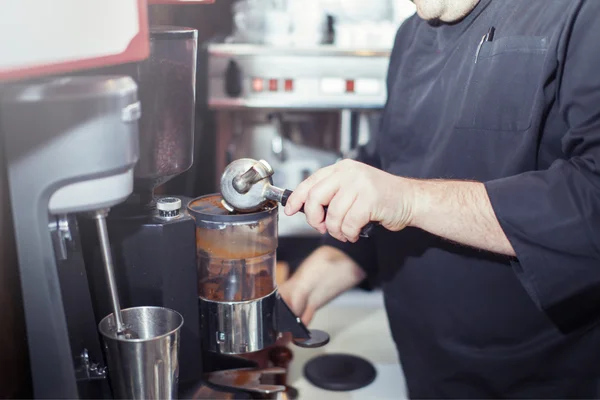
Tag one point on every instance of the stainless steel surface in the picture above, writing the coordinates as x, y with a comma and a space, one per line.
61, 233
277, 143
100, 217
345, 131
251, 189
273, 193
247, 379
239, 327
148, 367
89, 370
243, 49
318, 81
244, 202
259, 171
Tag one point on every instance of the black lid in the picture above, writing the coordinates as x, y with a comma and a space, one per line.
210, 209
339, 372
166, 32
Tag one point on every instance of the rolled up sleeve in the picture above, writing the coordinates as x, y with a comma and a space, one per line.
552, 217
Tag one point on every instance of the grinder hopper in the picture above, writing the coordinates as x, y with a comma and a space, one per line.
167, 84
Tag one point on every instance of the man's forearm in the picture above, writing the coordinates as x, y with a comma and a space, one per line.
459, 211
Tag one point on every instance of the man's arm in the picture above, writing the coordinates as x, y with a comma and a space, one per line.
459, 211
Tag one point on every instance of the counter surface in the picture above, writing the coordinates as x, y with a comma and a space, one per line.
358, 325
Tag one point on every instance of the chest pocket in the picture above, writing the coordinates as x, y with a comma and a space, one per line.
502, 88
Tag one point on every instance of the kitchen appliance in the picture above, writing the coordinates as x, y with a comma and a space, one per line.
156, 237
71, 147
153, 242
296, 108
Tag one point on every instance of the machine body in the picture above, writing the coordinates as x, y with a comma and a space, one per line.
153, 237
76, 155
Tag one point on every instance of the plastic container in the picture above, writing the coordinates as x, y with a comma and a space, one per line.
236, 252
167, 91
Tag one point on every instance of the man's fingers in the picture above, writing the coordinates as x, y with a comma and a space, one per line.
298, 197
338, 207
319, 196
355, 219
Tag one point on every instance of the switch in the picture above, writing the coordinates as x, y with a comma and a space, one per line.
233, 79
349, 86
289, 85
257, 85
333, 85
273, 85
368, 87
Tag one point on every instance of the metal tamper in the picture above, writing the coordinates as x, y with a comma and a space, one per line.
247, 184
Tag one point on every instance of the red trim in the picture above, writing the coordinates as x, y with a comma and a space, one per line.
138, 49
181, 1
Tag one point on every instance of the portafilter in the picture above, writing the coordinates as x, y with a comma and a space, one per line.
247, 185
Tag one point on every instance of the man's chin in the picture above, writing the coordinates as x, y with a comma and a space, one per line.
446, 11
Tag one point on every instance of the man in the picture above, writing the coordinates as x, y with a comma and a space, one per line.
486, 184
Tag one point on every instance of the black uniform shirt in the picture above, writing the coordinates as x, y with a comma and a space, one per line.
522, 115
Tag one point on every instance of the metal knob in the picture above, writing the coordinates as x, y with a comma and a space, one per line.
168, 207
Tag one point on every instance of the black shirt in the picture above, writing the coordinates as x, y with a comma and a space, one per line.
520, 113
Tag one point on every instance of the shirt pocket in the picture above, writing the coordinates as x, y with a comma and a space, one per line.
503, 83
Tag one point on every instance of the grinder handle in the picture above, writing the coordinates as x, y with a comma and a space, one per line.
364, 232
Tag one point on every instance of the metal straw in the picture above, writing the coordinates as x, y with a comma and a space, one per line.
100, 217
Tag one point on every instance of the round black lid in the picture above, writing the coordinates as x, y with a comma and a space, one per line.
339, 372
210, 209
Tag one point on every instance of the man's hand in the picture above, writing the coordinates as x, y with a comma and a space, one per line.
356, 195
324, 275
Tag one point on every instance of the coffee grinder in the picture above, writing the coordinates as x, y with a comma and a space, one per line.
152, 237
164, 246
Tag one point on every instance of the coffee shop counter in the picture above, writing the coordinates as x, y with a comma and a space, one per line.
357, 324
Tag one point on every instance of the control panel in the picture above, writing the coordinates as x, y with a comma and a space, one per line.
324, 77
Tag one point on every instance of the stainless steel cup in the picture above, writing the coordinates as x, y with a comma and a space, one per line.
147, 367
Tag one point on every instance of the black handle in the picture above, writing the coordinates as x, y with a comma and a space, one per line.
364, 232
